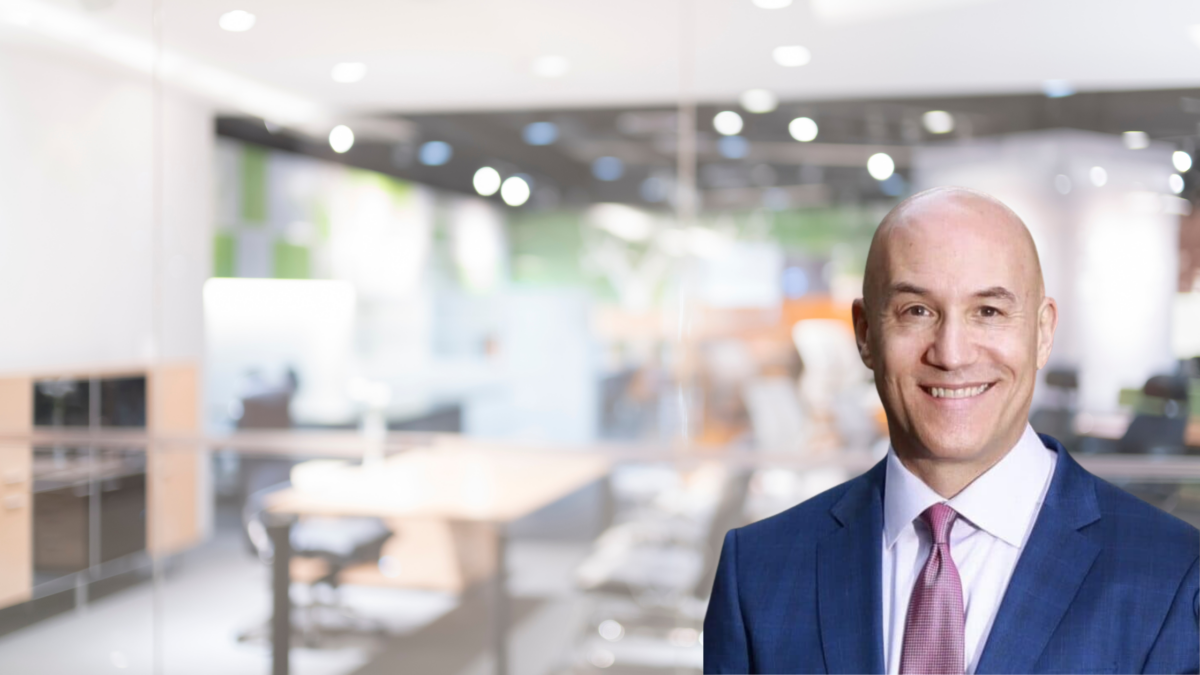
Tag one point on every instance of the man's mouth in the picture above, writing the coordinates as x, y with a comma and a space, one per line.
957, 392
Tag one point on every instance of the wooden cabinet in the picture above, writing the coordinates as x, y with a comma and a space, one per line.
16, 524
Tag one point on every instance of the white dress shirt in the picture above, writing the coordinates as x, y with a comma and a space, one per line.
996, 514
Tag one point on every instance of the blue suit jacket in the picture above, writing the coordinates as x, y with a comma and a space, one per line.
1106, 584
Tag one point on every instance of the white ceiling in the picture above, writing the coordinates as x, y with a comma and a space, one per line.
443, 55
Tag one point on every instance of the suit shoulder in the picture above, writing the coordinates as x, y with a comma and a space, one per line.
1136, 522
810, 517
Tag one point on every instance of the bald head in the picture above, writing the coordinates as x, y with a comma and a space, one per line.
940, 217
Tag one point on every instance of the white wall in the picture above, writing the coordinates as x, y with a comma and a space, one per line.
76, 210
1109, 253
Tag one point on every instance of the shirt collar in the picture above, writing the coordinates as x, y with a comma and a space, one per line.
1004, 501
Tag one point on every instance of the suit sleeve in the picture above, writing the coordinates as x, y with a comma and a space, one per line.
725, 645
1177, 648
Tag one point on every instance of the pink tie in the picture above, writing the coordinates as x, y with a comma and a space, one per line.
933, 634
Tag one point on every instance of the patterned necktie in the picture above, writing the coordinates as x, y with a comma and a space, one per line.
933, 633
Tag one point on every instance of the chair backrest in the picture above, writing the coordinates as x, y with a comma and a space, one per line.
727, 516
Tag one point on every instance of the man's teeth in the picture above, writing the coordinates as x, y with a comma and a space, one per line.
940, 392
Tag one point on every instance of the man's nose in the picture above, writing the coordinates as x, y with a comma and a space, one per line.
953, 345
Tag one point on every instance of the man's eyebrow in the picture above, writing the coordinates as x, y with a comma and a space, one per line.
905, 287
998, 293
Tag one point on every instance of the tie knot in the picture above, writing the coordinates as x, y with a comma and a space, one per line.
940, 518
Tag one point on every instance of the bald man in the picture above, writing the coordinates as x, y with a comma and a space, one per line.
976, 545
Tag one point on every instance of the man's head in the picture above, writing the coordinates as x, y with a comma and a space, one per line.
955, 323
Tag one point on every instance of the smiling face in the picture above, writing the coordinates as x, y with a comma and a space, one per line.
955, 324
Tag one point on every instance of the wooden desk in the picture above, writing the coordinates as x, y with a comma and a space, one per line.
463, 484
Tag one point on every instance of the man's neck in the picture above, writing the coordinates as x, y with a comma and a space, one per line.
948, 477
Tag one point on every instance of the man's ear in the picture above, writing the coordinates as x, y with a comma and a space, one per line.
859, 313
1047, 322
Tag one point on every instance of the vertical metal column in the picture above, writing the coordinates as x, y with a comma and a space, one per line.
500, 603
280, 528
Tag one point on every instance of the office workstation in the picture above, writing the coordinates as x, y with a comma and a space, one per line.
455, 336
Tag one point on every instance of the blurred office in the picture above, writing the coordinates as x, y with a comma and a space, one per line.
450, 336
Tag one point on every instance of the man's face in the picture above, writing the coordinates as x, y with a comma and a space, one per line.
956, 332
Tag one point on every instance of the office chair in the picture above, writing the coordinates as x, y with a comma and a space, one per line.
321, 549
1159, 432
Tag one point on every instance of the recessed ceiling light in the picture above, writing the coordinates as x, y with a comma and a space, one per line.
803, 129
727, 123
514, 191
1136, 140
1098, 176
608, 168
772, 4
237, 21
349, 72
1175, 182
435, 153
1057, 88
341, 138
1062, 183
486, 181
759, 101
938, 122
881, 166
791, 56
1182, 161
551, 66
540, 133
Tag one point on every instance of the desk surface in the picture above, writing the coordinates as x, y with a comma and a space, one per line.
480, 485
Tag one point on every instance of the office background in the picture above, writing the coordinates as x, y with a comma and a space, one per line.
450, 336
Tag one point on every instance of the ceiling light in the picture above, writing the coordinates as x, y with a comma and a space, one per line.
803, 129
1098, 176
540, 133
348, 73
486, 181
727, 123
938, 122
881, 166
1194, 32
341, 138
733, 147
514, 191
1057, 88
1182, 161
759, 101
237, 21
435, 153
772, 4
551, 66
608, 168
1175, 182
1136, 140
791, 56
1062, 183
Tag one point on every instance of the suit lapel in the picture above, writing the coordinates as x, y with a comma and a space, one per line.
849, 580
1049, 573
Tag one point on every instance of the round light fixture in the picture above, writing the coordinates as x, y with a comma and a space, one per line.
551, 66
1098, 176
881, 166
803, 129
938, 122
1175, 182
608, 169
540, 133
1182, 161
349, 72
237, 21
435, 153
341, 138
791, 56
728, 123
1136, 140
486, 181
1062, 183
514, 191
759, 101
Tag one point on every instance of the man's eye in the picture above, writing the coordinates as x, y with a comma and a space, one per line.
917, 310
989, 312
